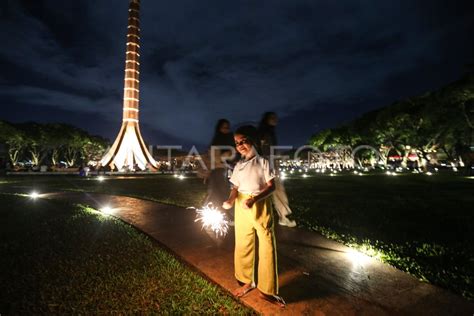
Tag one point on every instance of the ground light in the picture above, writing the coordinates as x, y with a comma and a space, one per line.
357, 258
100, 178
181, 177
107, 210
34, 195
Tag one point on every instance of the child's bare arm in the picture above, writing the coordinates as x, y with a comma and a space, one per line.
270, 187
232, 196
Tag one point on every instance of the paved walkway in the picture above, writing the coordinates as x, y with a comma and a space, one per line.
317, 276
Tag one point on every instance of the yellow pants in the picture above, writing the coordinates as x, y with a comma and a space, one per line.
248, 222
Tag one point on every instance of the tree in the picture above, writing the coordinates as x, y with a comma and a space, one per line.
14, 139
94, 149
76, 140
36, 141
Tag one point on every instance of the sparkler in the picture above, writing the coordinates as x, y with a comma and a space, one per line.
213, 219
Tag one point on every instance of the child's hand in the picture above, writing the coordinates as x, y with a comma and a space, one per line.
248, 203
227, 205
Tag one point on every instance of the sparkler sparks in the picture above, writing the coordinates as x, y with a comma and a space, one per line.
213, 219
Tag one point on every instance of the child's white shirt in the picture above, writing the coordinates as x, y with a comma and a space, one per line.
251, 176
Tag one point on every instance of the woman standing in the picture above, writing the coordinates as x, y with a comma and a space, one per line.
267, 136
218, 185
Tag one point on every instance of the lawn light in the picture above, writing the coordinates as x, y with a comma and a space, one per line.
34, 195
175, 175
100, 178
107, 210
305, 175
181, 177
429, 173
358, 258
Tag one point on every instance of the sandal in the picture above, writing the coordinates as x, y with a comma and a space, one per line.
241, 291
274, 299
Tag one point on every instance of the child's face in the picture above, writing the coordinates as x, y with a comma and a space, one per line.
243, 145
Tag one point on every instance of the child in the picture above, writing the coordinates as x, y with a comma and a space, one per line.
253, 182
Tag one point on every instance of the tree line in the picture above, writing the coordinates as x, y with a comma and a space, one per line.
50, 144
441, 121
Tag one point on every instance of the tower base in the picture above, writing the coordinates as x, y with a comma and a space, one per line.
129, 150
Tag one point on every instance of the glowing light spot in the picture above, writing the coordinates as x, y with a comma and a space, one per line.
357, 258
34, 195
107, 210
100, 178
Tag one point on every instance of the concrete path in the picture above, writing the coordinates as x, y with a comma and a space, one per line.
317, 276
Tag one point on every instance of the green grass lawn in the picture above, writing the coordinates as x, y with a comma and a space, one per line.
60, 258
420, 224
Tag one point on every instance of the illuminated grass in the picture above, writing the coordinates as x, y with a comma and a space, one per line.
419, 224
66, 259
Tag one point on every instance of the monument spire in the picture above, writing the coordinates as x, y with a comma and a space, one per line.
129, 149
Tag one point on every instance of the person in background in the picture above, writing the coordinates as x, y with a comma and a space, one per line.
218, 186
253, 182
267, 137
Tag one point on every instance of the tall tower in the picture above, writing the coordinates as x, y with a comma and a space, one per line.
129, 148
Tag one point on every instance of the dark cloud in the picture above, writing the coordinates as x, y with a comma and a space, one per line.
317, 63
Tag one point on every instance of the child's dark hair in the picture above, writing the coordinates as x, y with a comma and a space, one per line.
251, 133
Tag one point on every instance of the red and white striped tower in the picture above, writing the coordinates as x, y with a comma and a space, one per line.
129, 149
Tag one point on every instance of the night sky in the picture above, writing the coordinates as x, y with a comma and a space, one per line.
316, 63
